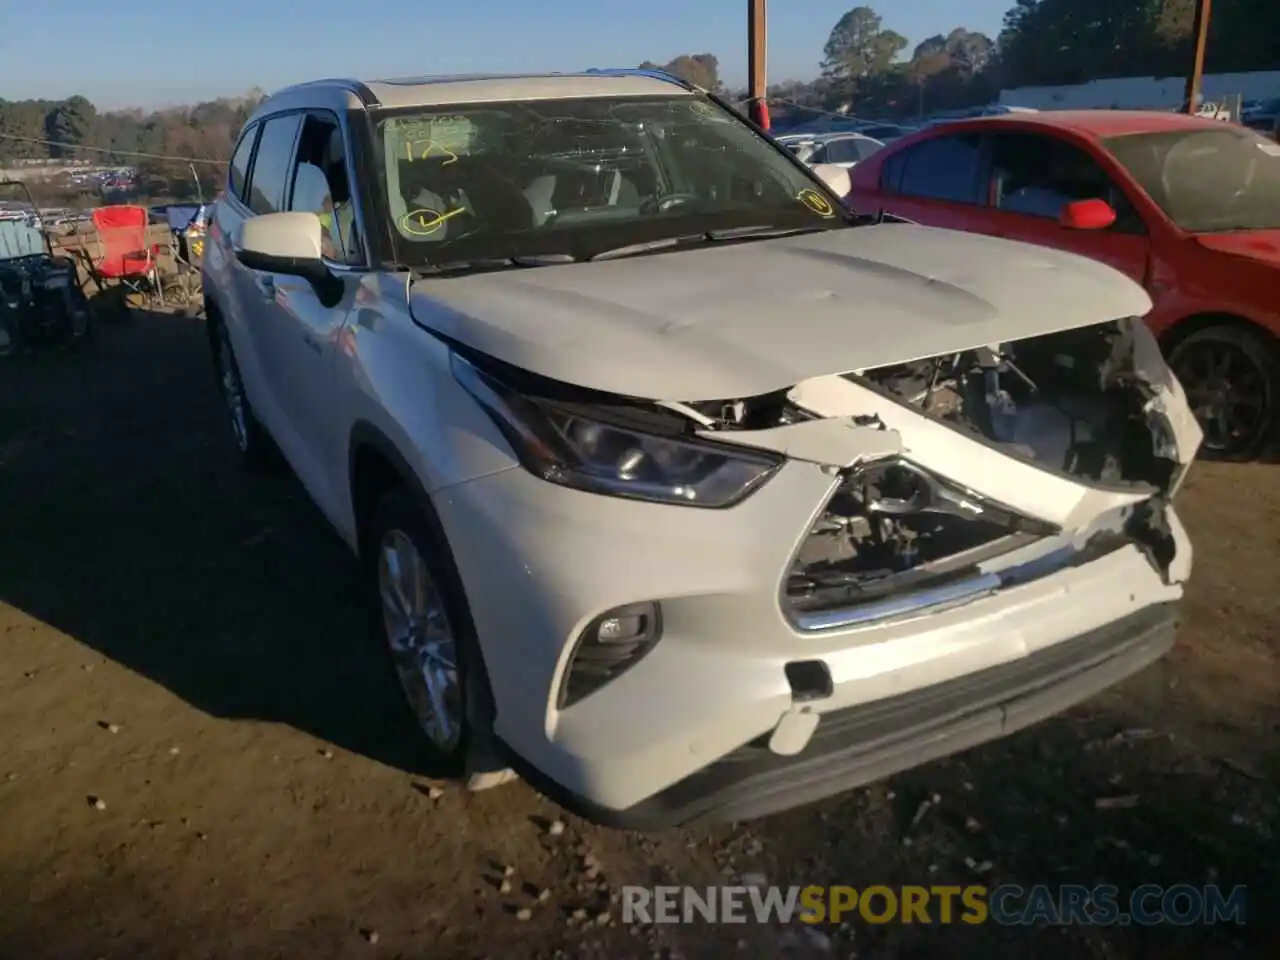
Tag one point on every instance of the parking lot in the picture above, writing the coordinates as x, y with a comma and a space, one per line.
201, 754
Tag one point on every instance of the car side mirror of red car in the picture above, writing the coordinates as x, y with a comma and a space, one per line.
1087, 215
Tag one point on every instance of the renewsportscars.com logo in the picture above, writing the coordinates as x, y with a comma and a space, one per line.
1007, 905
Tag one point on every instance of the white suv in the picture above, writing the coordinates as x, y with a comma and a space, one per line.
683, 490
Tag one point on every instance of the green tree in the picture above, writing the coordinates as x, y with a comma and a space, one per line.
858, 47
1071, 41
952, 71
71, 122
24, 122
700, 69
969, 50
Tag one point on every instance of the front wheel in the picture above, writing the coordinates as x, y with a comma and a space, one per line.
1230, 376
81, 318
249, 437
10, 333
425, 624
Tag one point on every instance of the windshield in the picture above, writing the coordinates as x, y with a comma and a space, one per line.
580, 177
1206, 180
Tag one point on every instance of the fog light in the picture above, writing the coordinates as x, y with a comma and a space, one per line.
610, 645
621, 629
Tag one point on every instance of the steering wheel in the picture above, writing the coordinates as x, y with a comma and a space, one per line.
667, 201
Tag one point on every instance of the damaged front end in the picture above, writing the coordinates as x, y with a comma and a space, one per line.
951, 477
1054, 450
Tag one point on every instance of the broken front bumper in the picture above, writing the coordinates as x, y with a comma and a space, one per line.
863, 744
543, 562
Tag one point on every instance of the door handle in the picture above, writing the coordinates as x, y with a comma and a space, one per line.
267, 285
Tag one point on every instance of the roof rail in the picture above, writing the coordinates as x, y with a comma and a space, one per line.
654, 74
357, 87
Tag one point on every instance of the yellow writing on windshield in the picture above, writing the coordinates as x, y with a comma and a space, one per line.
816, 202
428, 149
424, 222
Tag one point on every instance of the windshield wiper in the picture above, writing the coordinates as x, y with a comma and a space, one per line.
492, 263
649, 246
761, 232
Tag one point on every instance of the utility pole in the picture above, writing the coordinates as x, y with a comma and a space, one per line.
757, 105
1200, 31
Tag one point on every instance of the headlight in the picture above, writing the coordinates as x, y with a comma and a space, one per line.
569, 444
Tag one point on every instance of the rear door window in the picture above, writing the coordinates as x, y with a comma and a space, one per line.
941, 168
238, 176
273, 163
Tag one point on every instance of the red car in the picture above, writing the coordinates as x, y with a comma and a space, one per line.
1188, 207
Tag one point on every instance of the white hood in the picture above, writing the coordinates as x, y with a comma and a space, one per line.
738, 320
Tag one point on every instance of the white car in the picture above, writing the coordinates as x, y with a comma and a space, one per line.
684, 492
838, 149
1214, 111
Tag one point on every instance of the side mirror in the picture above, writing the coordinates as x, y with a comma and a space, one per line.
1087, 215
835, 177
287, 243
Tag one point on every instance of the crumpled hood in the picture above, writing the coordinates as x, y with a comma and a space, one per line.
738, 320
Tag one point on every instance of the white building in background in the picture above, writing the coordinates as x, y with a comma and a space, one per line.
1143, 93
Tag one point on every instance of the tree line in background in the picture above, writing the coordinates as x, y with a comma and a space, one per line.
1070, 41
1042, 43
863, 72
206, 131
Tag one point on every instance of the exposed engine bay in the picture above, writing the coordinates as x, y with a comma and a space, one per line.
1071, 402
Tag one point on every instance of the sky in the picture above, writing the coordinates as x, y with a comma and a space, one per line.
151, 55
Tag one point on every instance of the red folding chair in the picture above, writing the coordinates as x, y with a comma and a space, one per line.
127, 258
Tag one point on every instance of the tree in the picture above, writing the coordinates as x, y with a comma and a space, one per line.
700, 69
858, 46
54, 130
1071, 41
25, 122
969, 50
70, 122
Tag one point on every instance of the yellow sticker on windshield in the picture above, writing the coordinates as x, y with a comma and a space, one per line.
816, 202
427, 149
425, 222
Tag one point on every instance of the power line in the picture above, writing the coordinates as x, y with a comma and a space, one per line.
112, 152
779, 101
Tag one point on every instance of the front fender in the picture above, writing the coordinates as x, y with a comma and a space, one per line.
405, 392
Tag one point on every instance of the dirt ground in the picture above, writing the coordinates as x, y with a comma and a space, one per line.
201, 754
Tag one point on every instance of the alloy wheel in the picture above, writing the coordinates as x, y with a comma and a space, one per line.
1229, 393
423, 645
233, 393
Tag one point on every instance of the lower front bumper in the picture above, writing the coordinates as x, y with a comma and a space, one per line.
869, 742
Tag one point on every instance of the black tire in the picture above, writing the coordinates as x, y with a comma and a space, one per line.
82, 330
249, 437
10, 326
1255, 367
400, 512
